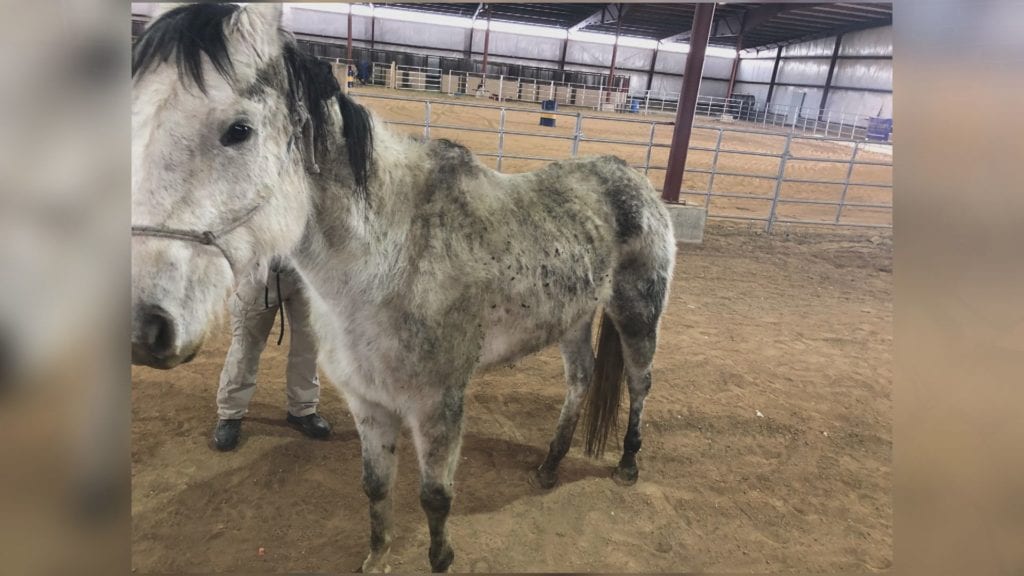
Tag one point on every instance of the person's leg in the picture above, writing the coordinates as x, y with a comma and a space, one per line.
303, 389
251, 322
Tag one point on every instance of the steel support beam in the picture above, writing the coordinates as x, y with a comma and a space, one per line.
348, 40
831, 72
775, 74
606, 15
702, 17
487, 39
650, 72
735, 66
615, 52
373, 30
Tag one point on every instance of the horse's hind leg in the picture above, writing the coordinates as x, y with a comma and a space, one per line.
635, 308
378, 433
437, 433
578, 357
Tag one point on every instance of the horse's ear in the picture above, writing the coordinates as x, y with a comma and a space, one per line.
259, 23
162, 8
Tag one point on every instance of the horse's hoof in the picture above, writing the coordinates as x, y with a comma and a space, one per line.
625, 476
374, 567
544, 479
443, 561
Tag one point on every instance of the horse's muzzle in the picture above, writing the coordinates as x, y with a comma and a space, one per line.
153, 338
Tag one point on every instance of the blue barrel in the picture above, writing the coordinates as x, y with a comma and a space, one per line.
634, 105
548, 119
879, 129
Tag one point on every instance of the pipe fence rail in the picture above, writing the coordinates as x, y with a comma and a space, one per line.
740, 108
781, 177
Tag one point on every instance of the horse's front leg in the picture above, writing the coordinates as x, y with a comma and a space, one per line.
437, 433
378, 432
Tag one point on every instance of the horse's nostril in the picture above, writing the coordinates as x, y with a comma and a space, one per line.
157, 332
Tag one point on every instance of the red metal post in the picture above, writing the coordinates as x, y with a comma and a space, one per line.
615, 51
702, 16
828, 79
735, 66
487, 39
348, 42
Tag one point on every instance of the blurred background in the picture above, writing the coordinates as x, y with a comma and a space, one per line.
64, 260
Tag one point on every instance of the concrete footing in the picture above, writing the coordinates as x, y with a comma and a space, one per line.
688, 222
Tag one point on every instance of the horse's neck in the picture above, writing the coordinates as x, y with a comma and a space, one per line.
365, 235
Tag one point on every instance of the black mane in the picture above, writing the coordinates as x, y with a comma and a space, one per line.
188, 32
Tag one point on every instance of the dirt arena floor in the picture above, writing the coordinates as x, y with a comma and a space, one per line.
768, 443
531, 142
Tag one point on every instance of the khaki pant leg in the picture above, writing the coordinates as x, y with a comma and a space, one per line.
251, 323
303, 383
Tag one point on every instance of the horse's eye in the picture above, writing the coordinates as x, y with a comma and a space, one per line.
236, 134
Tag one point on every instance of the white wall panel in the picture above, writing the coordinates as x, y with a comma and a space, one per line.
513, 45
789, 95
871, 42
820, 47
716, 67
671, 62
417, 34
857, 102
588, 53
635, 58
755, 70
863, 74
803, 72
759, 91
716, 88
664, 84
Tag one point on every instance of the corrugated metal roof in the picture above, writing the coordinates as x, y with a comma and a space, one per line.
761, 25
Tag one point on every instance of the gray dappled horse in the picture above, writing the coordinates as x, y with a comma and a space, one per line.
423, 265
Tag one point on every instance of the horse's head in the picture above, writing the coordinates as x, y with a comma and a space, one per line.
226, 115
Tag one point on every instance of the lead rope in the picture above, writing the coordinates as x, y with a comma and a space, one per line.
280, 303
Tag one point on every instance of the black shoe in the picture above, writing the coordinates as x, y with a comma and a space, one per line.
312, 425
225, 436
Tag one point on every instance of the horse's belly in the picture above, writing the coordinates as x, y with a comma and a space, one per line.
516, 331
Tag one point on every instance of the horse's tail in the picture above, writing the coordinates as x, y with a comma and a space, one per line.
600, 417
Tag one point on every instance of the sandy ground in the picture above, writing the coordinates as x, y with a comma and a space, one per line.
557, 144
768, 443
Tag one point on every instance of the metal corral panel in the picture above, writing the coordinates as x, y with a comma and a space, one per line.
875, 74
588, 97
820, 47
450, 83
871, 42
531, 91
857, 102
563, 94
417, 34
803, 72
755, 70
